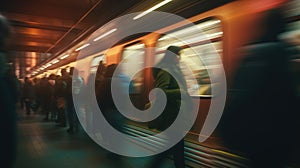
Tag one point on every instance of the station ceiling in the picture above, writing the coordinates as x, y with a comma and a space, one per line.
53, 26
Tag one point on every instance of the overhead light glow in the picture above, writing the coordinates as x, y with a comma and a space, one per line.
55, 61
49, 64
105, 34
152, 9
65, 56
82, 47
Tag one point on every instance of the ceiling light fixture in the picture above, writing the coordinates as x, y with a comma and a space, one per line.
65, 56
152, 9
55, 61
82, 47
105, 34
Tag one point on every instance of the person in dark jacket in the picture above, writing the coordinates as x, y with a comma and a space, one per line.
260, 119
173, 90
108, 107
105, 100
59, 96
28, 94
8, 98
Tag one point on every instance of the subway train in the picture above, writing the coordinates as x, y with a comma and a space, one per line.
210, 38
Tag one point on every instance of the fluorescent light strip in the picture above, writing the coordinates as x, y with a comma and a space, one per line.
82, 47
152, 9
105, 34
65, 56
55, 61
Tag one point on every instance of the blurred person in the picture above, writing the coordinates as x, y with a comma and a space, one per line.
21, 97
36, 100
293, 38
77, 86
71, 71
44, 93
28, 94
105, 100
51, 101
94, 79
54, 100
173, 89
87, 104
101, 68
59, 96
99, 78
67, 91
107, 105
8, 98
260, 118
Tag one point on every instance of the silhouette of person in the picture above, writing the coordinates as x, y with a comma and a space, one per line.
28, 94
8, 98
105, 99
108, 107
172, 88
77, 86
260, 117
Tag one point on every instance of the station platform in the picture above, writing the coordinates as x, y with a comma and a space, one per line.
44, 144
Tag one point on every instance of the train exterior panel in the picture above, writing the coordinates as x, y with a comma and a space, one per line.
238, 22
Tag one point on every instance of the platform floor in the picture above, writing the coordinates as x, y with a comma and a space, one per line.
44, 144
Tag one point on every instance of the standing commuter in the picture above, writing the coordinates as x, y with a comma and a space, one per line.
50, 98
260, 119
90, 114
77, 86
43, 94
67, 93
8, 99
28, 94
59, 94
67, 87
105, 100
108, 107
173, 89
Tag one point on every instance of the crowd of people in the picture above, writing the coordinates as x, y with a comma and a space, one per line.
260, 118
52, 97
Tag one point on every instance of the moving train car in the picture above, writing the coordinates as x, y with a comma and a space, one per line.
211, 40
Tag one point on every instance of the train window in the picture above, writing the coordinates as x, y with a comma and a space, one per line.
202, 45
95, 62
133, 58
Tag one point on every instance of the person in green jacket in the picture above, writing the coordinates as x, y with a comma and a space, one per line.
169, 78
